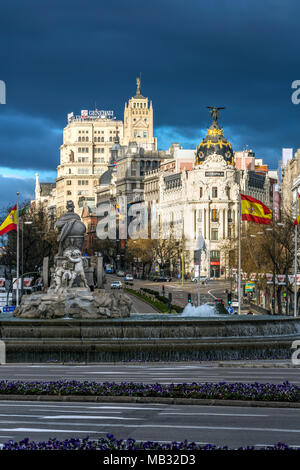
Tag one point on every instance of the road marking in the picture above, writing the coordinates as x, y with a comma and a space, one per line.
45, 430
209, 292
88, 417
156, 426
214, 414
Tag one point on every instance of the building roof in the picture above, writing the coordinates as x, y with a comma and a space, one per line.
214, 142
106, 177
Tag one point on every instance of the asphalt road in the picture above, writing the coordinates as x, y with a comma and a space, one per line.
221, 425
208, 292
149, 373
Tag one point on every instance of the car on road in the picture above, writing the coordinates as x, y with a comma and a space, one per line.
120, 273
128, 277
162, 279
203, 279
116, 285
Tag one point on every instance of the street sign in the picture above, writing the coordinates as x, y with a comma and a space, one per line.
234, 303
8, 309
249, 286
230, 310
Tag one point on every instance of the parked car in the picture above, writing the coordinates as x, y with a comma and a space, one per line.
121, 273
116, 285
128, 277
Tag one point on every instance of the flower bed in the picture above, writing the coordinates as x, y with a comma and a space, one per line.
284, 392
110, 443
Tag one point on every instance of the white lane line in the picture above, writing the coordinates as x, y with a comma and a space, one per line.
124, 408
88, 417
209, 292
214, 414
272, 444
156, 426
111, 373
72, 411
65, 406
45, 430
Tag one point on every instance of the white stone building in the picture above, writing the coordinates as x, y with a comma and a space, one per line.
204, 201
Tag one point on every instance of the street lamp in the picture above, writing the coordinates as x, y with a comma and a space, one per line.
27, 222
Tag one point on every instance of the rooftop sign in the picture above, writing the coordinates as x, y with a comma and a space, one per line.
94, 114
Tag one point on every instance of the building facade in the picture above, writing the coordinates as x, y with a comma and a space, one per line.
204, 201
87, 143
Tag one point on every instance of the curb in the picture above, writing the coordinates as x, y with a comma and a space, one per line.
169, 401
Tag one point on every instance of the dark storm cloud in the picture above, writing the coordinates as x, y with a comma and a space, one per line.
63, 56
28, 142
8, 189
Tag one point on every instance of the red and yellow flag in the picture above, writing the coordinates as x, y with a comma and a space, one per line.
297, 220
255, 210
10, 223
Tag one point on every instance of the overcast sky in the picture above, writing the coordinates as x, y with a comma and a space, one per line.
67, 55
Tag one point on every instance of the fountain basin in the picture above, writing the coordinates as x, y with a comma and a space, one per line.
143, 337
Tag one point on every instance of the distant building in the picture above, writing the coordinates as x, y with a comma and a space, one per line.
86, 148
290, 174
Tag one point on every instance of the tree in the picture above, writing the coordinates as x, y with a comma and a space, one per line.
270, 249
37, 239
143, 250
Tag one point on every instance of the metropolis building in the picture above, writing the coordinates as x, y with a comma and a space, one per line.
204, 200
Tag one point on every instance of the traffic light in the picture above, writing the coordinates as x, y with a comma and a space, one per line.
189, 298
229, 298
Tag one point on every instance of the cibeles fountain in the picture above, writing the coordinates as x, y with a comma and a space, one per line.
71, 293
70, 322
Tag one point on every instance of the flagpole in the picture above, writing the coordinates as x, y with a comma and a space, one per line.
295, 270
18, 253
239, 255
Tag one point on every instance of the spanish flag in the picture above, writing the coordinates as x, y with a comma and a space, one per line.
297, 220
254, 210
10, 223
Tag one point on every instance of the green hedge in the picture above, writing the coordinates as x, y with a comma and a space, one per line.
160, 303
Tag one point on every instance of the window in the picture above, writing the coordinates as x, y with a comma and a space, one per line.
69, 182
83, 171
201, 192
145, 134
214, 192
215, 255
214, 215
69, 193
98, 171
133, 168
214, 234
